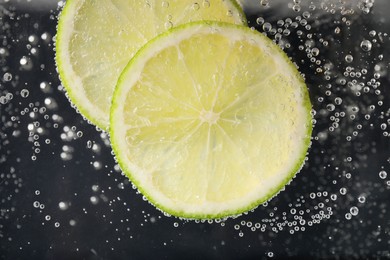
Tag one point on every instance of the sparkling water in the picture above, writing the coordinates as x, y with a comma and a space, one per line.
64, 197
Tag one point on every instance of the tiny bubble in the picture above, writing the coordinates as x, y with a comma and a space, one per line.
349, 58
260, 20
366, 45
382, 174
362, 199
354, 211
7, 76
24, 93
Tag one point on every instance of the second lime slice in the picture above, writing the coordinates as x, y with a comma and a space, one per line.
97, 38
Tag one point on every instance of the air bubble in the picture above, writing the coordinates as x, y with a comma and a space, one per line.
46, 37
354, 211
63, 205
97, 165
195, 6
362, 199
260, 20
267, 27
338, 101
306, 14
23, 61
168, 25
296, 7
24, 93
206, 3
7, 76
382, 174
9, 96
366, 45
349, 58
96, 188
330, 107
264, 2
94, 200
315, 51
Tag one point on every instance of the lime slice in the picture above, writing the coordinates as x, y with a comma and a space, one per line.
209, 120
97, 38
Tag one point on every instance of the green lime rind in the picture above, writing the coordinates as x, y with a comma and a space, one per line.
72, 94
120, 157
239, 9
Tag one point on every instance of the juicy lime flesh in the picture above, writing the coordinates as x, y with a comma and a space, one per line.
215, 122
97, 38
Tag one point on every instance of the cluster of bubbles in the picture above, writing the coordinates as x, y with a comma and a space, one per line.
360, 74
41, 208
297, 219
